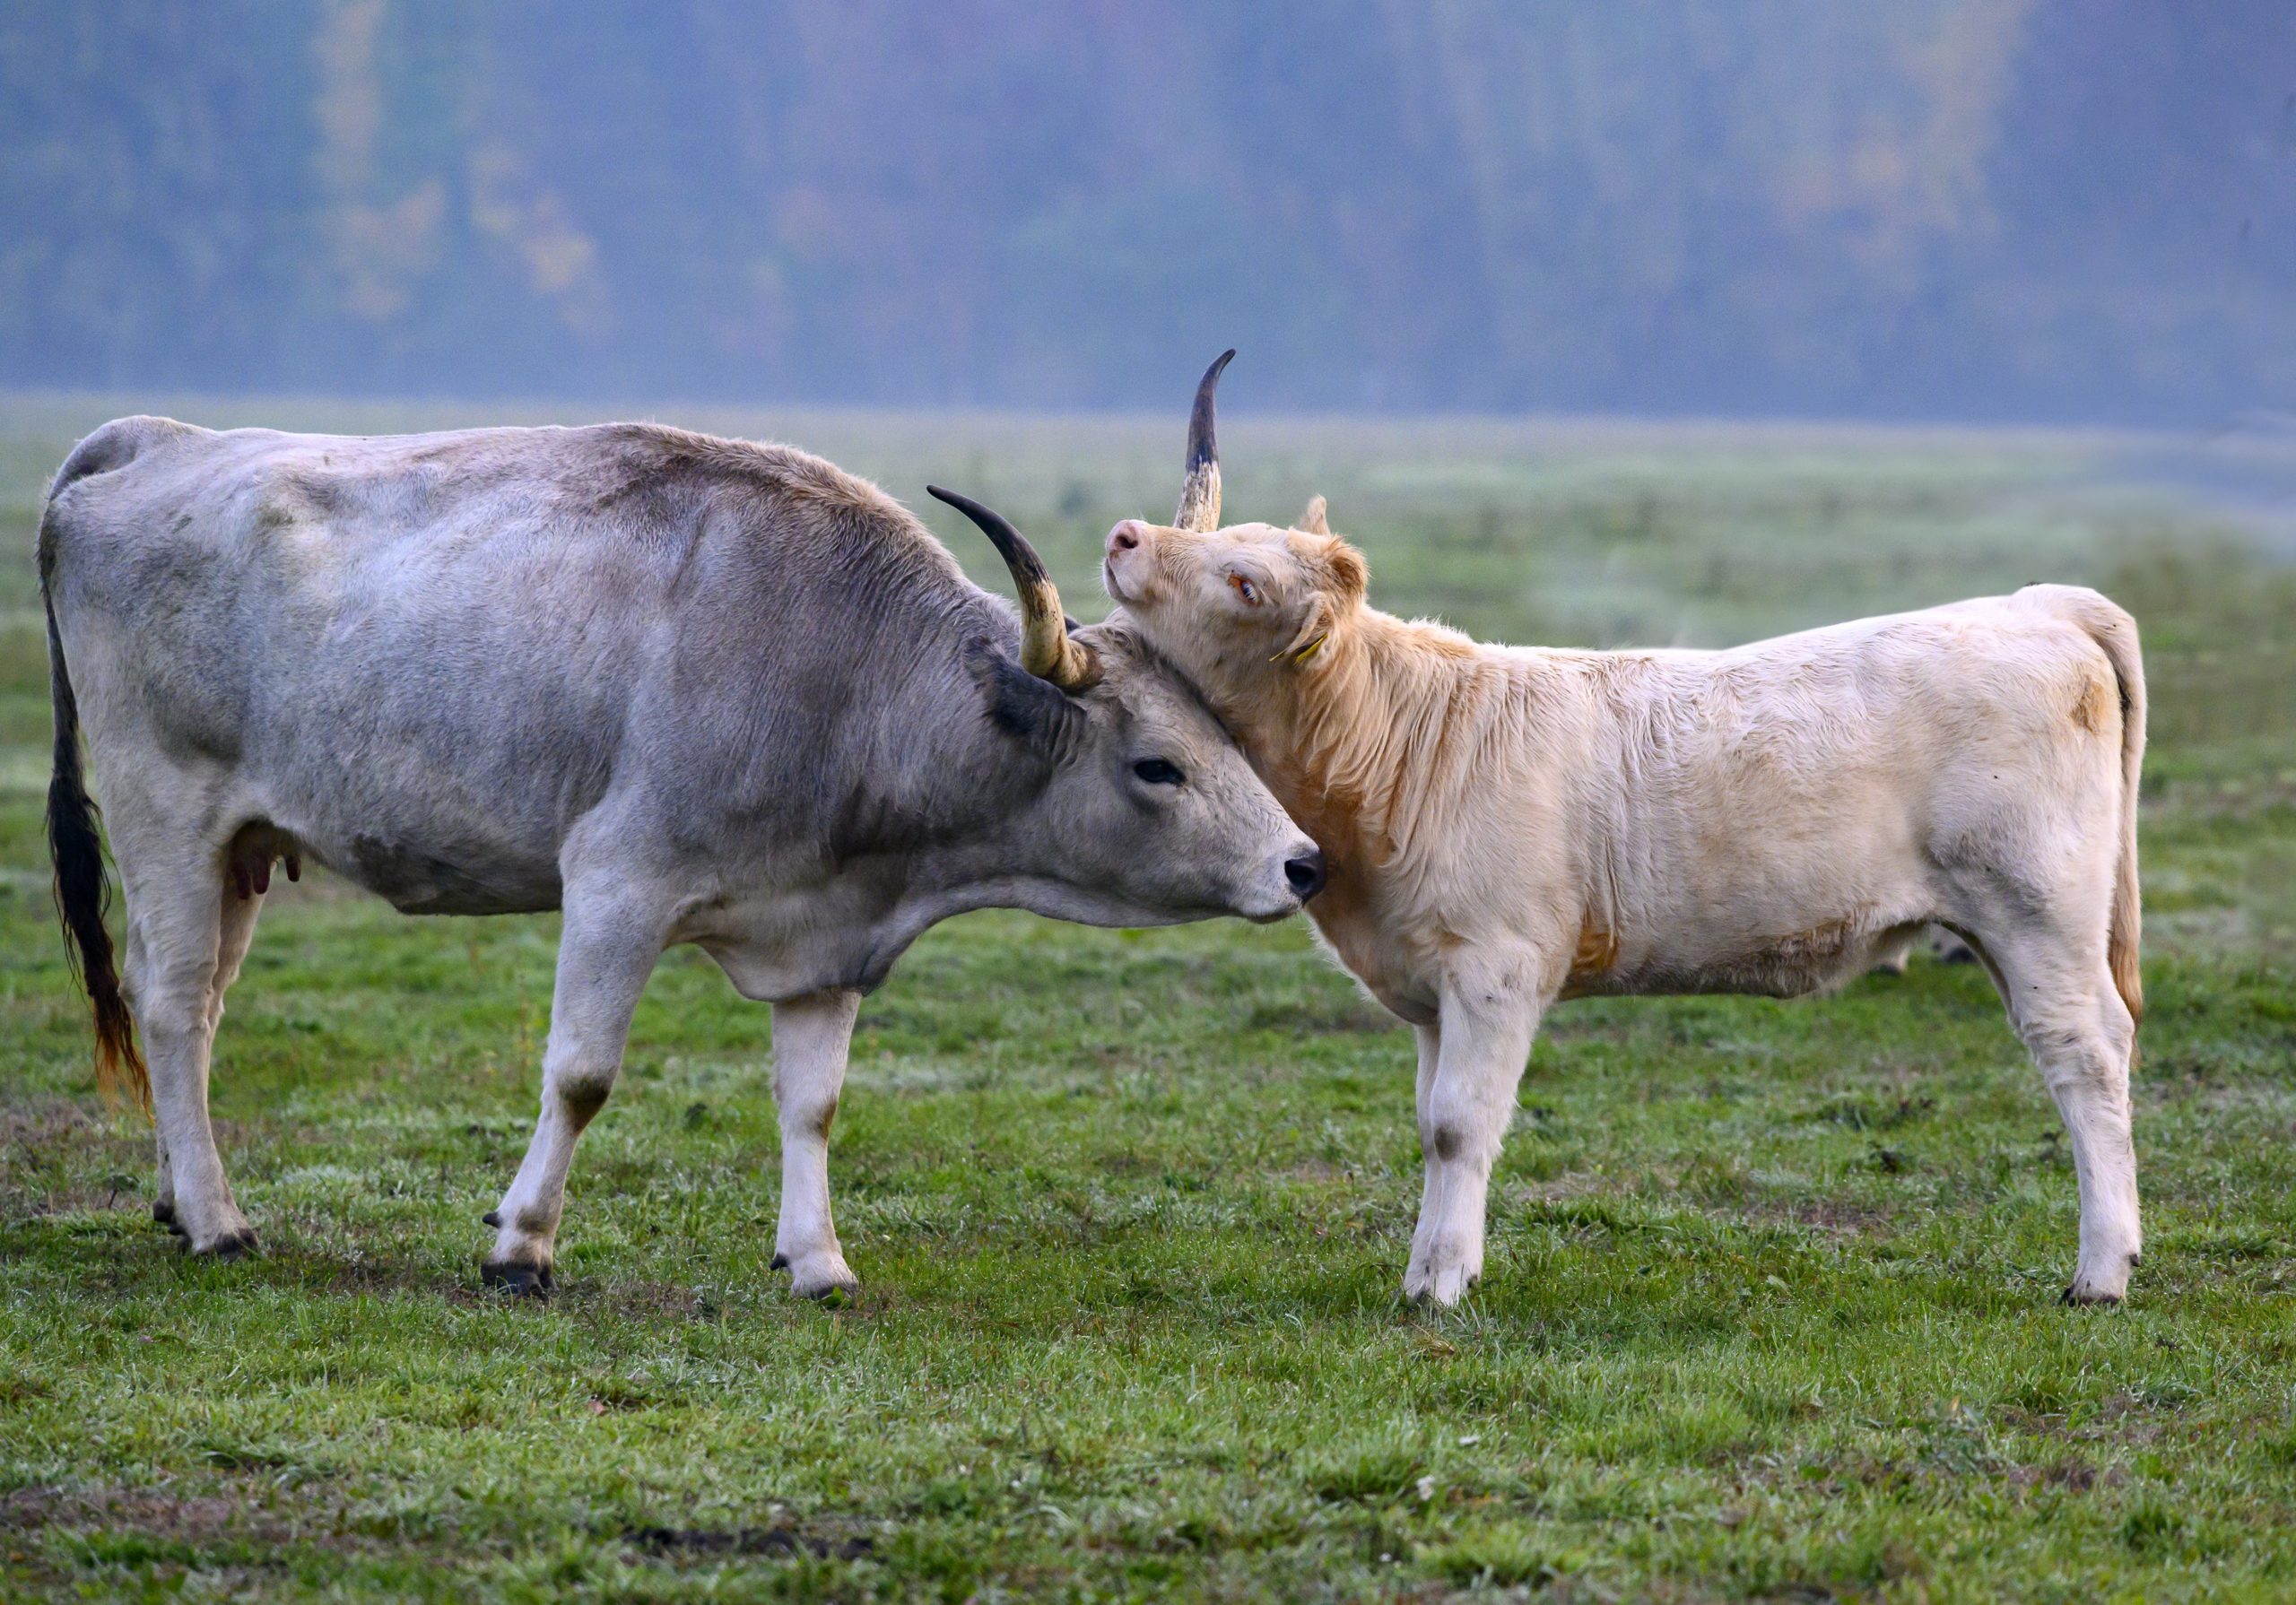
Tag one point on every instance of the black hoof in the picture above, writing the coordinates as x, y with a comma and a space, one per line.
517, 1280
165, 1214
492, 1217
233, 1246
2077, 1300
780, 1262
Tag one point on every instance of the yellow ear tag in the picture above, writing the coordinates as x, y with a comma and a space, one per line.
1309, 651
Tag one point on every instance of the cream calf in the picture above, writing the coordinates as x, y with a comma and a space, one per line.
1506, 826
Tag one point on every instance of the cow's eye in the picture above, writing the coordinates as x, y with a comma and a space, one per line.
1157, 771
1245, 589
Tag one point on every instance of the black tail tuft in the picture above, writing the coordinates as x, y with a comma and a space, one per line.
82, 889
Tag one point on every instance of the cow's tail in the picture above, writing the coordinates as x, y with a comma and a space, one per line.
75, 846
2113, 629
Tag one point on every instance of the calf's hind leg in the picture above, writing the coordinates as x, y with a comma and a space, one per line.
2062, 1000
607, 950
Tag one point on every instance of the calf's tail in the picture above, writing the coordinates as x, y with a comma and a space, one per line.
76, 850
2113, 630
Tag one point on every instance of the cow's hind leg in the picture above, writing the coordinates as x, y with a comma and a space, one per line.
607, 950
175, 932
240, 910
811, 1039
2060, 996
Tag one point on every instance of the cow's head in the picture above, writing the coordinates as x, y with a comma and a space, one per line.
1233, 607
1150, 813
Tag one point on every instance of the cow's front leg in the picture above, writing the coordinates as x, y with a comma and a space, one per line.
605, 954
811, 1038
1470, 1064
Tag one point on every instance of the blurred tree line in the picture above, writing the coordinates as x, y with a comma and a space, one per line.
2057, 209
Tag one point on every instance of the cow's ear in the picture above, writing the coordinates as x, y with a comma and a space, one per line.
1315, 519
1026, 706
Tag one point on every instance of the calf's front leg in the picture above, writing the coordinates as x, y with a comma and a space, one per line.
604, 955
1470, 1064
812, 1036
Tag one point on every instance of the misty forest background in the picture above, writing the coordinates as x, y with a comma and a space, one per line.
2055, 210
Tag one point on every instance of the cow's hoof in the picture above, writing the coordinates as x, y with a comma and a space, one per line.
2078, 1295
780, 1262
230, 1246
492, 1217
165, 1214
516, 1279
823, 1277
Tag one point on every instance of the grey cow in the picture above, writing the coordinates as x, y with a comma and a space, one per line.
687, 689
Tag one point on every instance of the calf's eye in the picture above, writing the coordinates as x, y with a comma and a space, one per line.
1157, 771
1245, 589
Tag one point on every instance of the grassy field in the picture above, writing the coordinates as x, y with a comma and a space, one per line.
1771, 1310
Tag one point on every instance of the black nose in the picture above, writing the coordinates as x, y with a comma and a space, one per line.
1305, 873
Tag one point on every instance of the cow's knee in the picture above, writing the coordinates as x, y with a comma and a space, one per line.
582, 1091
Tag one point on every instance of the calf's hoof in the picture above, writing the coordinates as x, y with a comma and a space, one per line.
2101, 1287
1442, 1288
230, 1246
516, 1279
1441, 1273
165, 1214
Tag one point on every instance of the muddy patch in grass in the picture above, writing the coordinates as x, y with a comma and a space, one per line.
681, 1543
236, 1510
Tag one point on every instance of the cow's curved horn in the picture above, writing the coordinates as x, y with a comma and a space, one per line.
1200, 491
1045, 650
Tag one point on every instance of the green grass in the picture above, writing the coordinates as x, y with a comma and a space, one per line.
1770, 1310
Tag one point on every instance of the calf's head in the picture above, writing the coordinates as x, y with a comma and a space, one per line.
1150, 814
1233, 607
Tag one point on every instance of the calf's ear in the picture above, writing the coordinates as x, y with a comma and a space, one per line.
1350, 578
1308, 640
1314, 520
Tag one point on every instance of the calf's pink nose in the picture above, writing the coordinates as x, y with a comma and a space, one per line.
1124, 536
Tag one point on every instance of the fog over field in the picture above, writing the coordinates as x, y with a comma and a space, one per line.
2025, 210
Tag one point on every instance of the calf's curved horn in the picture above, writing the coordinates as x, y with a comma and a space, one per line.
1045, 650
1200, 491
